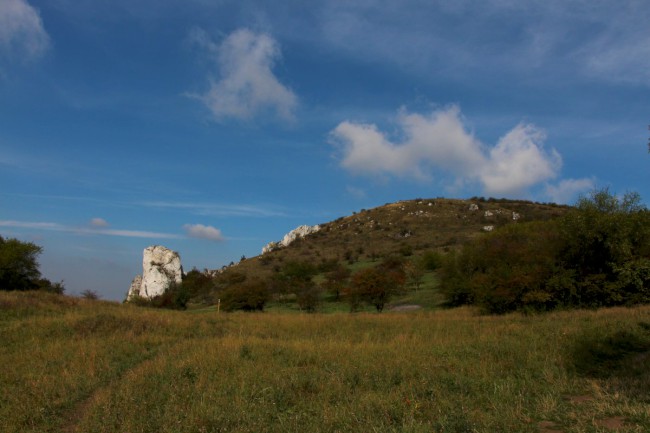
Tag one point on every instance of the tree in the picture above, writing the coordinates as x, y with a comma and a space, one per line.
294, 277
337, 280
374, 286
414, 272
308, 297
18, 265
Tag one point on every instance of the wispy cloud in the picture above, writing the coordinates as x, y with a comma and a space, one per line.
22, 34
246, 84
87, 231
605, 39
199, 231
211, 209
439, 143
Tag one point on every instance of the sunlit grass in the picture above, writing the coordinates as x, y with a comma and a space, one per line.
97, 367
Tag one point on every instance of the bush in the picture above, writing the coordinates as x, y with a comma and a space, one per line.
309, 298
175, 297
248, 296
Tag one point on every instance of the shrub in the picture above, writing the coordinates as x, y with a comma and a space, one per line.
247, 296
309, 297
90, 295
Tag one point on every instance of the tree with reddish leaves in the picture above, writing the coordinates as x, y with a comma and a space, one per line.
375, 286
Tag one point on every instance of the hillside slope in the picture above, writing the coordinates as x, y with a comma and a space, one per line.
404, 228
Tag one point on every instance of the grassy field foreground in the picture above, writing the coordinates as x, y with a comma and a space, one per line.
70, 365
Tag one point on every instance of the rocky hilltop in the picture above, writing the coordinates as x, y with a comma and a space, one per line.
161, 267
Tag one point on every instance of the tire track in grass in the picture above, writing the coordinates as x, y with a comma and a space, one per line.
74, 416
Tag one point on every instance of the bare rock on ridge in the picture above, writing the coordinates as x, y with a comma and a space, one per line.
161, 267
289, 238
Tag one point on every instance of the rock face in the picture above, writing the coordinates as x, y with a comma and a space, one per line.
290, 237
160, 268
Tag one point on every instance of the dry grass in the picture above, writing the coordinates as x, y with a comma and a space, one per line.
78, 366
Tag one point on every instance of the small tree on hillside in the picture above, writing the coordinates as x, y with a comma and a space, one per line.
414, 271
374, 286
309, 297
337, 280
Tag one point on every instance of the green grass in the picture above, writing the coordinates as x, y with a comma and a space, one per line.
71, 365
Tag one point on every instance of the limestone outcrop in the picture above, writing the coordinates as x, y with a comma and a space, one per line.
292, 236
161, 267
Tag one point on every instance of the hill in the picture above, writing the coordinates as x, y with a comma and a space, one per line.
406, 229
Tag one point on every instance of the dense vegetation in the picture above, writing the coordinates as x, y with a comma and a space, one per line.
73, 365
596, 255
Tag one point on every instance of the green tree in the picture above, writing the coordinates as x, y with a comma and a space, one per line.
337, 280
18, 265
414, 271
294, 277
607, 243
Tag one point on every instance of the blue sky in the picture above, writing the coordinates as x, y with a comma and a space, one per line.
214, 127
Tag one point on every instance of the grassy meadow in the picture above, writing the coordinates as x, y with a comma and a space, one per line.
73, 365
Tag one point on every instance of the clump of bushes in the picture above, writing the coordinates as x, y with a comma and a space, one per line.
596, 255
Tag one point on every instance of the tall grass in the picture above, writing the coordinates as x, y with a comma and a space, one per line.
89, 366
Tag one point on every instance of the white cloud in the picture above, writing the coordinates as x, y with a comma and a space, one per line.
199, 231
440, 142
98, 222
518, 162
247, 85
567, 190
21, 30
